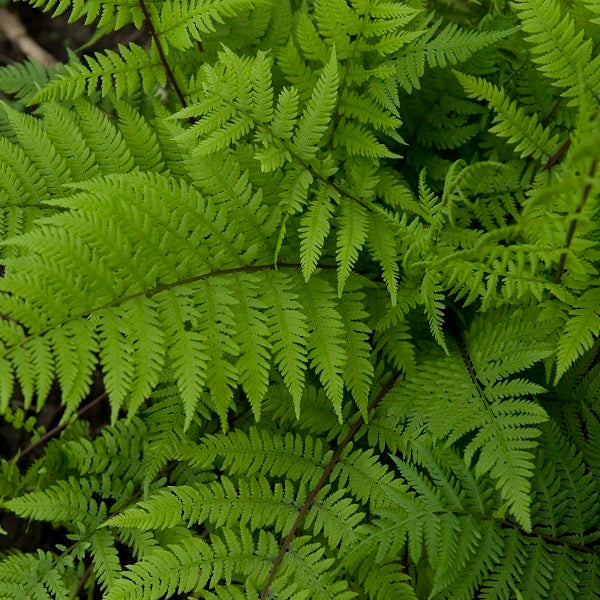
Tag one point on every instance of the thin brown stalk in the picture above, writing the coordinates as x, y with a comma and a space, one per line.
358, 423
564, 147
83, 579
573, 226
56, 430
161, 53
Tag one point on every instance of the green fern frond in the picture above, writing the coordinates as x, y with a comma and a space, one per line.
36, 574
289, 332
434, 307
314, 121
525, 132
66, 501
314, 229
182, 23
253, 502
40, 150
563, 54
580, 330
449, 45
503, 428
352, 234
107, 565
272, 360
23, 80
123, 73
325, 344
383, 246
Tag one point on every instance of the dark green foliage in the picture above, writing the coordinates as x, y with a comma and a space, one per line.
341, 283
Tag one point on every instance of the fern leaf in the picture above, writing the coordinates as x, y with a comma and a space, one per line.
352, 233
123, 72
314, 229
366, 111
316, 116
37, 575
165, 571
187, 350
358, 371
215, 318
432, 296
262, 90
286, 113
184, 22
117, 355
325, 344
385, 582
65, 501
529, 136
148, 355
40, 150
383, 247
503, 429
252, 340
105, 140
289, 333
581, 329
24, 79
257, 451
74, 346
453, 44
107, 565
139, 137
563, 53
359, 141
63, 130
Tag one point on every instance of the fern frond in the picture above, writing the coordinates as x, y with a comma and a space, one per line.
525, 132
40, 150
358, 371
23, 80
449, 45
325, 344
315, 119
289, 332
38, 575
503, 427
580, 330
314, 229
434, 307
107, 565
182, 23
253, 502
563, 53
123, 73
358, 141
352, 234
259, 452
383, 246
64, 502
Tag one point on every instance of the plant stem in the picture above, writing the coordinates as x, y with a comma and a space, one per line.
161, 53
573, 226
558, 154
56, 430
358, 423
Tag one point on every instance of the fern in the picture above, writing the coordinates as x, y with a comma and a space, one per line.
563, 54
530, 137
323, 278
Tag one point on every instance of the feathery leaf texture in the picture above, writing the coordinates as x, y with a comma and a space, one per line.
332, 266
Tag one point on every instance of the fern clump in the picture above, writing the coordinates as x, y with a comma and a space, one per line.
333, 267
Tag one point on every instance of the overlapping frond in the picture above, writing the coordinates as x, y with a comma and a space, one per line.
341, 301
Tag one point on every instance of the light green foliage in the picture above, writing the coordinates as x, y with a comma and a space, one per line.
340, 288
